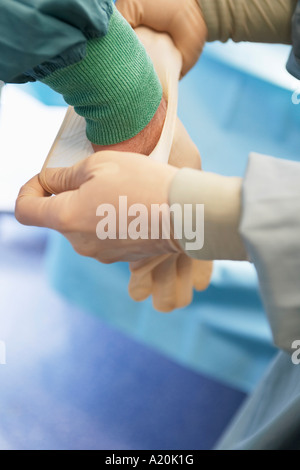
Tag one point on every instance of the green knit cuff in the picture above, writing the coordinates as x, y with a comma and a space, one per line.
115, 87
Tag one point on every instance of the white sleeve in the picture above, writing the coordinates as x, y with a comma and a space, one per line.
270, 227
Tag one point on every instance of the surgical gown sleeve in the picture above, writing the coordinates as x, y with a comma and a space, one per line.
293, 65
87, 52
38, 31
270, 227
262, 218
269, 420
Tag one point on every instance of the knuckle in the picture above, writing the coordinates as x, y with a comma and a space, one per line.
106, 261
103, 257
90, 163
85, 250
81, 251
18, 210
131, 10
22, 190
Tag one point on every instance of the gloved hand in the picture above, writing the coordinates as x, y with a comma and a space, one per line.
171, 278
182, 19
100, 180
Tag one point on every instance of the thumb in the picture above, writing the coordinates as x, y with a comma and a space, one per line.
34, 206
59, 180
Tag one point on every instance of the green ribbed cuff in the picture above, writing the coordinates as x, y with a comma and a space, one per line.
115, 87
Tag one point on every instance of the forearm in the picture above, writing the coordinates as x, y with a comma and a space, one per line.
266, 21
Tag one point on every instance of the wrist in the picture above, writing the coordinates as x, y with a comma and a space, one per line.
221, 199
115, 87
144, 142
169, 242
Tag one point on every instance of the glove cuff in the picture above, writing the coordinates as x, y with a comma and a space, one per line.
221, 198
115, 87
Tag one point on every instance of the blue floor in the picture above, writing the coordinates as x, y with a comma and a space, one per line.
73, 382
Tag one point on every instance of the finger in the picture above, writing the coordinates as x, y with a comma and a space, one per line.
202, 272
58, 180
140, 286
146, 265
184, 290
35, 207
164, 285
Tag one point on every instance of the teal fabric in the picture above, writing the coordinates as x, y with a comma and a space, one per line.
115, 87
109, 80
270, 418
34, 32
293, 65
271, 227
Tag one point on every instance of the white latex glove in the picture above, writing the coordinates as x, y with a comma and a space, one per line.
80, 189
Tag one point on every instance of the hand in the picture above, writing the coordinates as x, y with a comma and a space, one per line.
171, 278
182, 19
82, 188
